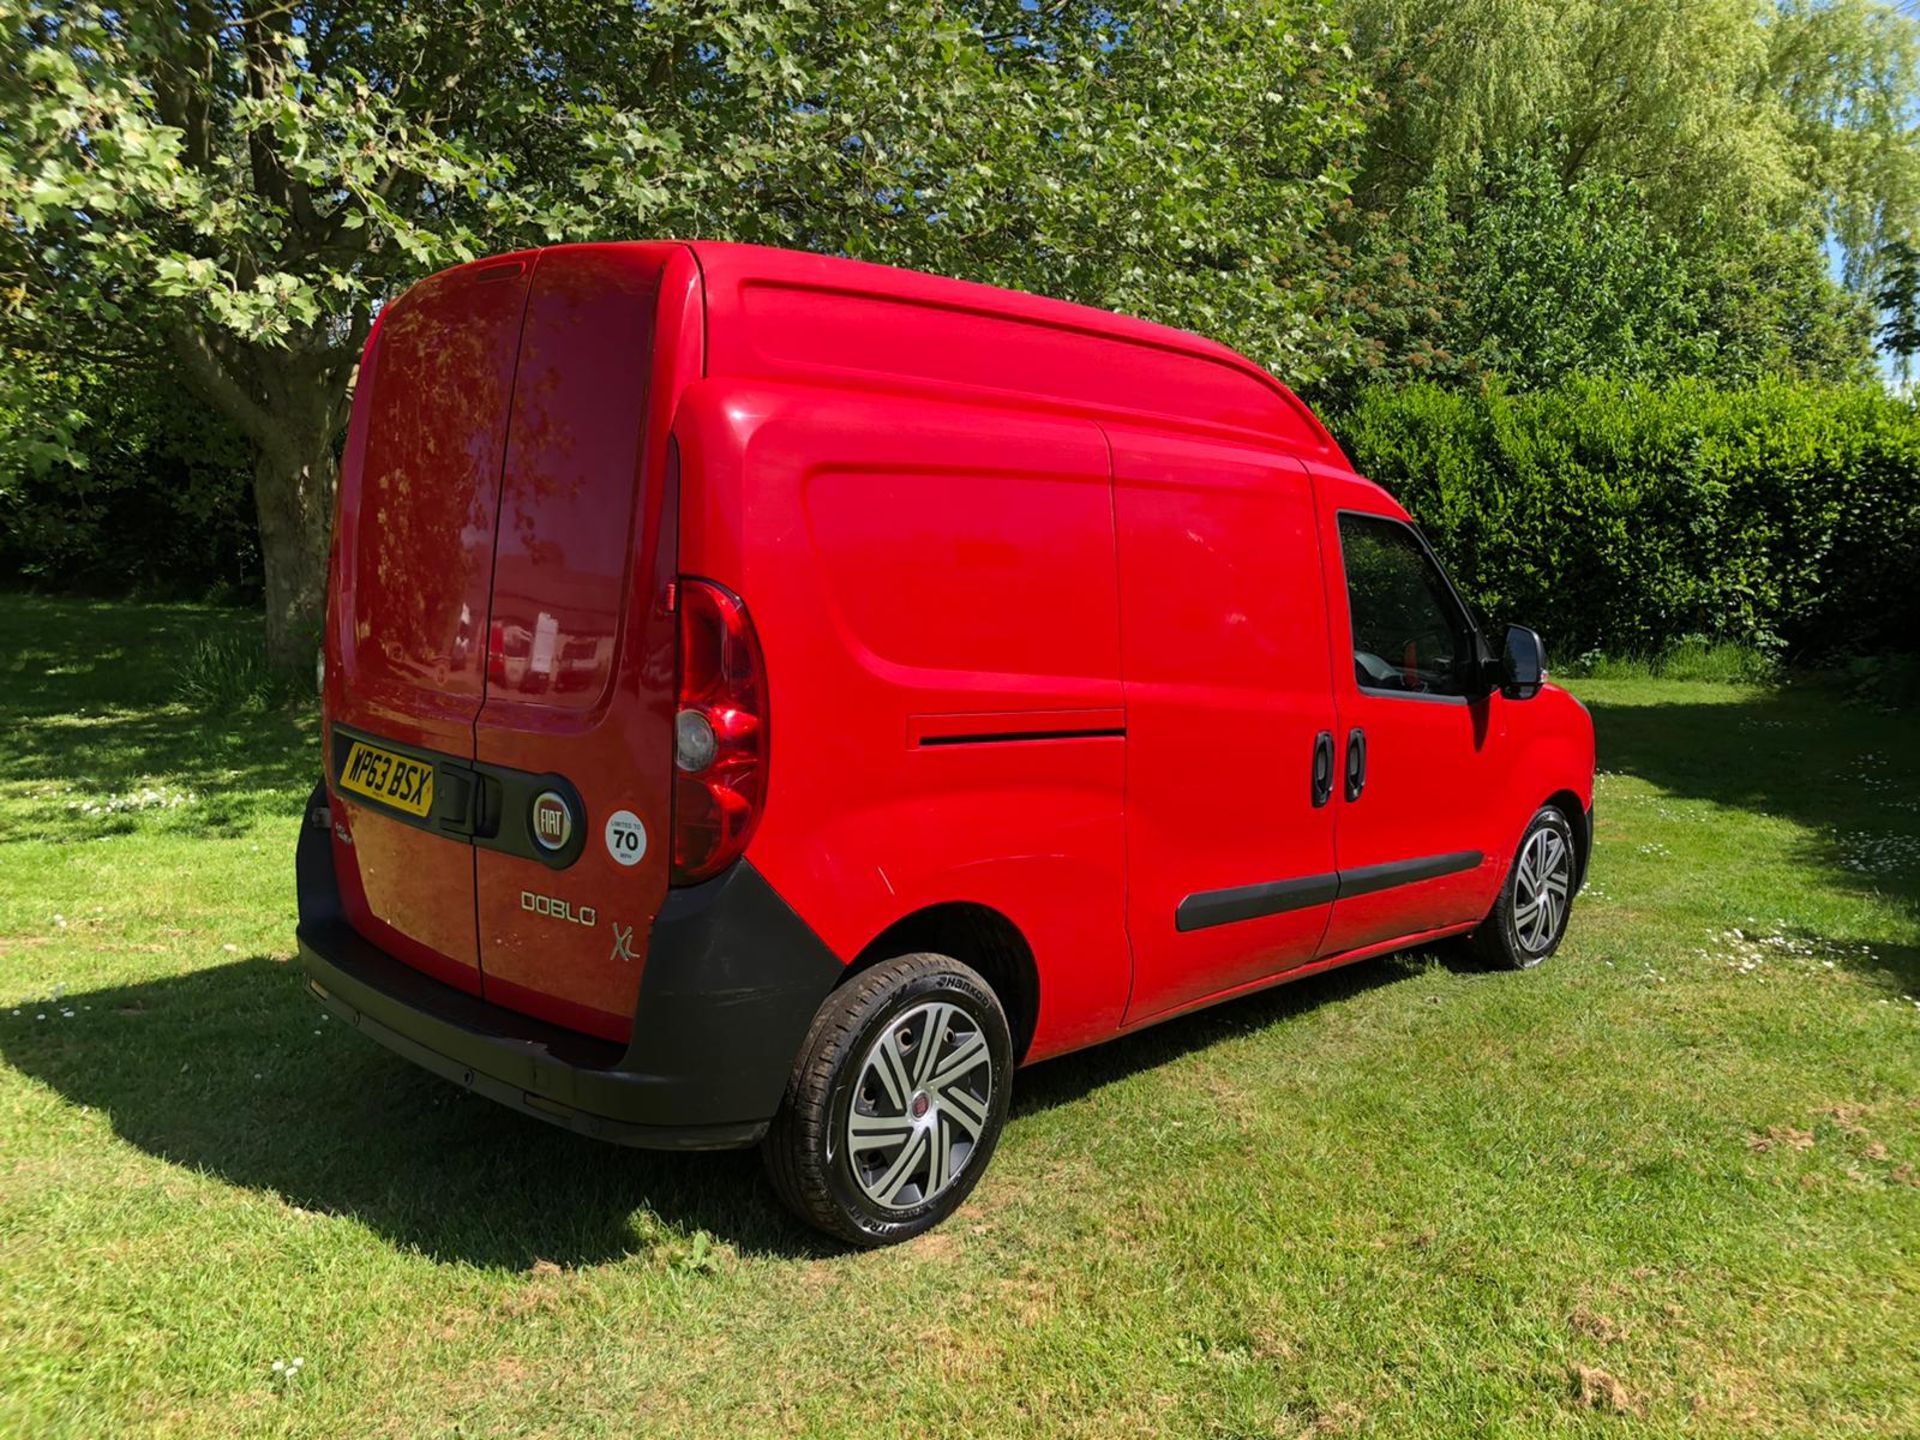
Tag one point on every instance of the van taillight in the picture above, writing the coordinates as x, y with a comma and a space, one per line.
720, 732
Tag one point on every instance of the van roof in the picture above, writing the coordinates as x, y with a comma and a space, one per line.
730, 266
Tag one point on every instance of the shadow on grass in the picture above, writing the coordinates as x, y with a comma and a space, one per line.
106, 754
1896, 967
1849, 776
235, 1072
61, 656
87, 712
1074, 1077
232, 1071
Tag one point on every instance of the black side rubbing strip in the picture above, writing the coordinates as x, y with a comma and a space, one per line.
1369, 878
1003, 737
1274, 897
1247, 902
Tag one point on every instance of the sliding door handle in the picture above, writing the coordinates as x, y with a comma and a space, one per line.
1322, 768
1356, 762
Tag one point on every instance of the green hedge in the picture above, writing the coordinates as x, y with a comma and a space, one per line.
1624, 518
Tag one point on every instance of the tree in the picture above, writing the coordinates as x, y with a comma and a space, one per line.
1847, 72
1898, 299
1735, 119
1672, 95
1702, 155
250, 180
1550, 279
115, 480
1512, 270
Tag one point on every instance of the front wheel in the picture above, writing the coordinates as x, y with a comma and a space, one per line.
1530, 917
896, 1102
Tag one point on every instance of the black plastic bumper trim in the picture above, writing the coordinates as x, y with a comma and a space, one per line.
730, 983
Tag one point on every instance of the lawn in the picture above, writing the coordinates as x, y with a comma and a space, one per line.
1668, 1184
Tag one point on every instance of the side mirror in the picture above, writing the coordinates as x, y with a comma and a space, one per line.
1523, 664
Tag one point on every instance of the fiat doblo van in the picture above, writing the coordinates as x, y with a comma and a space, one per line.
771, 698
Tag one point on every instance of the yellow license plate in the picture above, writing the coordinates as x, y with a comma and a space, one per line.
389, 778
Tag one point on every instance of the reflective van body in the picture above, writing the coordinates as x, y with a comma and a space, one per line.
769, 698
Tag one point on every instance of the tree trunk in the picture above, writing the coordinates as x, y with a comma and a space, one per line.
291, 402
293, 485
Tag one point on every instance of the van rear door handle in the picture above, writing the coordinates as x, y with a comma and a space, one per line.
1322, 768
1356, 762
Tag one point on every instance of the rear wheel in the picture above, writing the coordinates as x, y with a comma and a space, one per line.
896, 1102
1530, 917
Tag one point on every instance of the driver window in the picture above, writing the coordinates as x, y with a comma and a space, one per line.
1409, 635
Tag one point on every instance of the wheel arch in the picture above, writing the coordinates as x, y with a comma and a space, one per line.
978, 936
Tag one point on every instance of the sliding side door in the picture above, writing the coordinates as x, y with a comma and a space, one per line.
1224, 658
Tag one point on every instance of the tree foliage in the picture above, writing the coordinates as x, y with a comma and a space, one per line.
1739, 115
1847, 73
250, 180
115, 481
1720, 143
1898, 300
1490, 194
1511, 270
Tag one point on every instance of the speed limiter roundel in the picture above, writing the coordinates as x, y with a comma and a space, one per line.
626, 838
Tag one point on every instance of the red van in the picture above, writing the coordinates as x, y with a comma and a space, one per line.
770, 698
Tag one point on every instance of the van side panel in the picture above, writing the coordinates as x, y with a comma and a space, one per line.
933, 587
1230, 863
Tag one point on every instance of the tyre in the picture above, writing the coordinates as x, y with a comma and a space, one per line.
896, 1102
1530, 917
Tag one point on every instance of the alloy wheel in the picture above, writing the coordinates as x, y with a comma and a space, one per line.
1542, 883
920, 1104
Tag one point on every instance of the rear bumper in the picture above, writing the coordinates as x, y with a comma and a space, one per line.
731, 981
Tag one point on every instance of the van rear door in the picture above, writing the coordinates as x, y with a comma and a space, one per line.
579, 697
412, 566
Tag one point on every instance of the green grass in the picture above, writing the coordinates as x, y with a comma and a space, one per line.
1665, 1185
229, 673
1694, 658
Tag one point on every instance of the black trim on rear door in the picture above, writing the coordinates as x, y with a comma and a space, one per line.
474, 803
1207, 908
